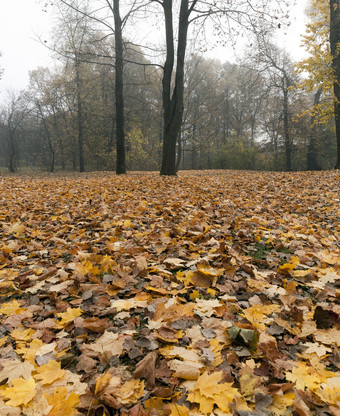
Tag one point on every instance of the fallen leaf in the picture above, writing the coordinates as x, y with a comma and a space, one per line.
62, 402
21, 393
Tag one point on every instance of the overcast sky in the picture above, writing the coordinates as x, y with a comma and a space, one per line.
22, 21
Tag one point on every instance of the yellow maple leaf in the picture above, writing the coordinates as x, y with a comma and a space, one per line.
208, 392
257, 315
209, 271
206, 404
22, 335
288, 267
206, 383
304, 376
328, 394
30, 352
11, 308
130, 391
154, 403
63, 404
216, 347
103, 381
249, 382
68, 316
281, 403
176, 410
22, 392
3, 341
50, 372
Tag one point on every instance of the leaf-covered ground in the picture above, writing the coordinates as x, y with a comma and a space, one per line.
209, 293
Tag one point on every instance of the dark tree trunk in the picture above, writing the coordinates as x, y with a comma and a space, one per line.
49, 141
173, 103
312, 152
79, 117
334, 44
288, 143
179, 152
12, 155
120, 122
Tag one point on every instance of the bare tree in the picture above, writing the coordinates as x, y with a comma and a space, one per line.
280, 76
224, 16
102, 15
14, 113
72, 39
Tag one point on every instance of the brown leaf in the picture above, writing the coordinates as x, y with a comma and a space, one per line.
325, 318
146, 369
96, 325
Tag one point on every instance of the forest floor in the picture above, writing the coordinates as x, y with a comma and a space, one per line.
213, 292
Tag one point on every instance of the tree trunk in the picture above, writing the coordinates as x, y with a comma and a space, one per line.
173, 104
12, 157
120, 121
179, 152
312, 152
79, 117
334, 45
288, 144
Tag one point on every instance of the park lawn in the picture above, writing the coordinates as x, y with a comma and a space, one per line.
213, 292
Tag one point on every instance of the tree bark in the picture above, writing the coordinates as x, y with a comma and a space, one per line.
79, 117
12, 153
334, 45
173, 104
312, 152
288, 143
179, 152
119, 99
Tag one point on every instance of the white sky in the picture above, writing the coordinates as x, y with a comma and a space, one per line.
20, 23
22, 20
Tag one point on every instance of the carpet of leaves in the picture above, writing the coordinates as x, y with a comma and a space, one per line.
207, 293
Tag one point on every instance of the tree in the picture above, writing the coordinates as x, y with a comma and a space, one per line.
13, 115
280, 76
247, 15
334, 37
101, 15
312, 152
74, 36
119, 84
321, 66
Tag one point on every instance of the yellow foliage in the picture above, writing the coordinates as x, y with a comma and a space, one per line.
317, 66
68, 316
21, 393
64, 404
208, 393
10, 308
50, 372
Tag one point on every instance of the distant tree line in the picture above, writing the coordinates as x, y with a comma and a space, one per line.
107, 106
